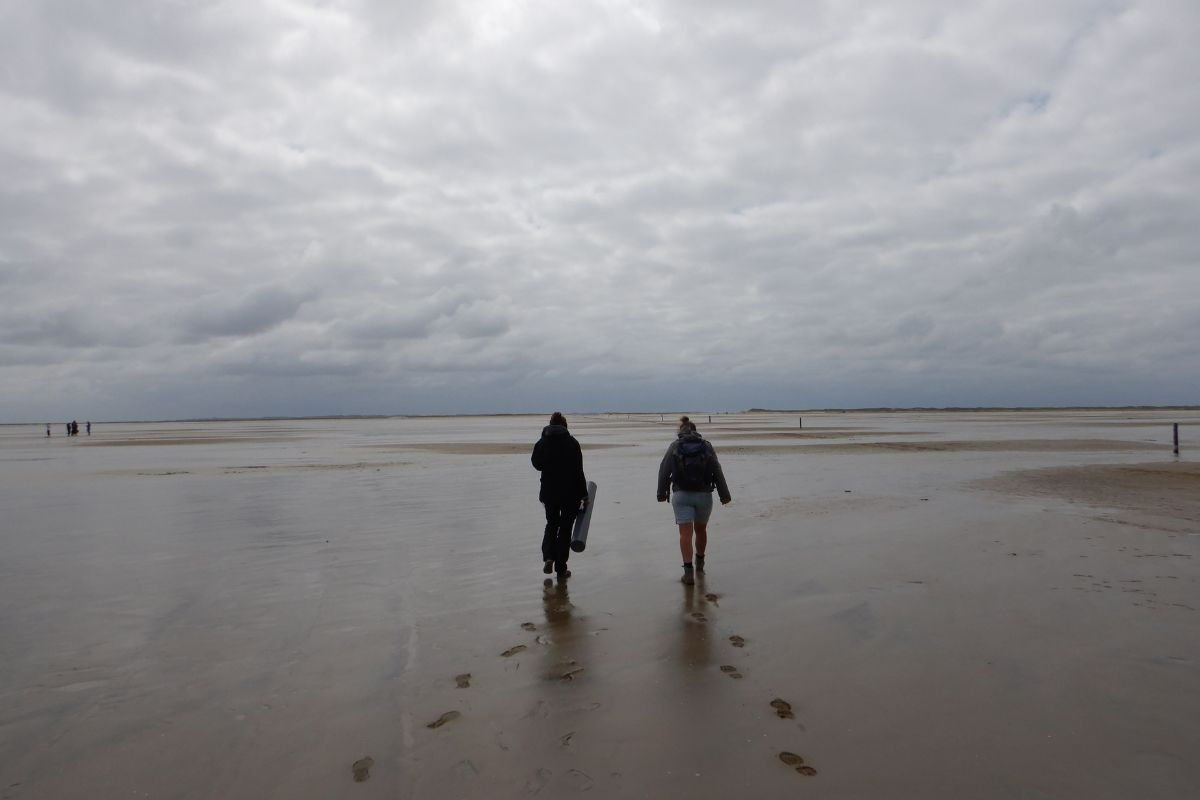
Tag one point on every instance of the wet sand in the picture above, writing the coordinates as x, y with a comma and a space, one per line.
1006, 608
175, 442
1168, 492
817, 433
477, 448
982, 446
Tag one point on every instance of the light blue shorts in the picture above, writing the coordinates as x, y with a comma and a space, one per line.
692, 507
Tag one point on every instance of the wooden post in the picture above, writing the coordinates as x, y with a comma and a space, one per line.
1176, 438
710, 419
801, 422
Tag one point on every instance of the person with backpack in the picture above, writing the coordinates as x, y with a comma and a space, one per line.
558, 456
692, 470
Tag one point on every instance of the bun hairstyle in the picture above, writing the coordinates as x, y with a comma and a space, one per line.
558, 419
686, 425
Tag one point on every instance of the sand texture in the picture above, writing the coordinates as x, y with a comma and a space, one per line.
812, 433
951, 446
477, 448
977, 605
1165, 491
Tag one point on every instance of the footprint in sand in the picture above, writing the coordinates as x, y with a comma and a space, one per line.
463, 681
443, 719
783, 709
583, 782
512, 651
528, 626
362, 769
538, 781
797, 763
565, 741
731, 671
737, 641
712, 598
571, 673
541, 709
696, 615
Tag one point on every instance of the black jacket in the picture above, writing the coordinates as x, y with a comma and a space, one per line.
559, 458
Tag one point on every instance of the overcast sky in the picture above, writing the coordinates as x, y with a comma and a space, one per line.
253, 208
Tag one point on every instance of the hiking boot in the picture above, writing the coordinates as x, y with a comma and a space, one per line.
548, 567
566, 573
689, 575
699, 562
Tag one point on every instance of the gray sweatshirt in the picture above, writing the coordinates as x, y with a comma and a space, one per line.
666, 468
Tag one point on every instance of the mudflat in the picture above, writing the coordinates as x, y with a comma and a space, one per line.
933, 605
476, 448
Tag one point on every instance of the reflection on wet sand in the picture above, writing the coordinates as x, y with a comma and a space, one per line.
815, 433
476, 448
564, 638
975, 446
180, 440
276, 619
695, 640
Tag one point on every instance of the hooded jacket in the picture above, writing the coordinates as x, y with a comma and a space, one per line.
558, 456
667, 467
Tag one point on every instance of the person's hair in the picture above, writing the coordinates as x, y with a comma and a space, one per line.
686, 425
558, 419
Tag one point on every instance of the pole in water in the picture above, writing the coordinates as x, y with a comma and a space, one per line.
1176, 438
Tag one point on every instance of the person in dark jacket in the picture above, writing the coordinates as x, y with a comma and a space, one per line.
559, 458
692, 498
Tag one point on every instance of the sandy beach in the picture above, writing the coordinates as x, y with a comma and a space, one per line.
967, 605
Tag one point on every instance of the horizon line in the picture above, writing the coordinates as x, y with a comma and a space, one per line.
831, 410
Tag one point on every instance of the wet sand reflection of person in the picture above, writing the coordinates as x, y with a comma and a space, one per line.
696, 631
564, 634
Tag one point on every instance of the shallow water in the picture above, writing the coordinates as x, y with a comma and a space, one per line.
250, 609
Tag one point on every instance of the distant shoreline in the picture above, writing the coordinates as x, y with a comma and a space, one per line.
872, 410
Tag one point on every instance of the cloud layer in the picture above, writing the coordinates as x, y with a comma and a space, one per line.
271, 208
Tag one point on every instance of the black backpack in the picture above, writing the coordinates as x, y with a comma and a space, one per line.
693, 473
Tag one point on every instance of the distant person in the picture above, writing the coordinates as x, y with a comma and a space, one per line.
47, 429
558, 456
68, 427
692, 470
89, 427
74, 427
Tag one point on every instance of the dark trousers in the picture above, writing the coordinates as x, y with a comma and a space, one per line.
556, 543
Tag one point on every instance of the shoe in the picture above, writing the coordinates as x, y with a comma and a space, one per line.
566, 573
689, 575
548, 567
699, 562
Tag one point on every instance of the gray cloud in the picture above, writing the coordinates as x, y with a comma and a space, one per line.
258, 311
357, 206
